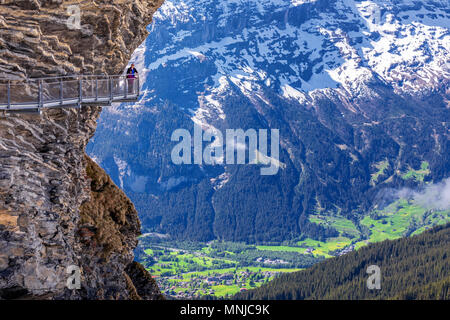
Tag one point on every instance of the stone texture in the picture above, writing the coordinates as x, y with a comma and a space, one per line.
53, 212
145, 285
35, 40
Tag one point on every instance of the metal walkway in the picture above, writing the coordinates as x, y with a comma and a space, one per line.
33, 95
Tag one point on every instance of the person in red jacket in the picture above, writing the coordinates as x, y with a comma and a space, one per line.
132, 74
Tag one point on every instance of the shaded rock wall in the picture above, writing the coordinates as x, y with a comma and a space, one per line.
53, 212
35, 38
107, 232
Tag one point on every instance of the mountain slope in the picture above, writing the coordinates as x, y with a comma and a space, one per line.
358, 90
53, 213
410, 268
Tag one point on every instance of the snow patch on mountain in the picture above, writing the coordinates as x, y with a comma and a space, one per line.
123, 169
171, 183
219, 181
402, 43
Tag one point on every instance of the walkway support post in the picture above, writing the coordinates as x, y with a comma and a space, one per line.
39, 95
61, 96
110, 90
80, 92
96, 89
125, 87
9, 94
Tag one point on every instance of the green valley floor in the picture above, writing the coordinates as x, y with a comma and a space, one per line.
191, 270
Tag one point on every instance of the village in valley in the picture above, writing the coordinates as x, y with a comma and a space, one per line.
191, 270
213, 283
188, 270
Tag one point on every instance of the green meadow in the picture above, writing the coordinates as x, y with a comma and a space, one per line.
380, 169
419, 174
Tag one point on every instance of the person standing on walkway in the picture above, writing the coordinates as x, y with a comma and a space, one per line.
132, 74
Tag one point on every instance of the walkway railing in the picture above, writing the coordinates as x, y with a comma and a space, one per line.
67, 91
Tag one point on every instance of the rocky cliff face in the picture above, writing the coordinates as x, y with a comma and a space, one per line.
57, 207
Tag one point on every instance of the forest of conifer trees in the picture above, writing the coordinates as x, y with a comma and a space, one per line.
411, 268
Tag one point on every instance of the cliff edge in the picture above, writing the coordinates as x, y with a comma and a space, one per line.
58, 208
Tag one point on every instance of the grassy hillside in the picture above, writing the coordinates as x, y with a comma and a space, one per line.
411, 268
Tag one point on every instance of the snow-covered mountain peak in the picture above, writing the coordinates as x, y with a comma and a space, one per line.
306, 45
